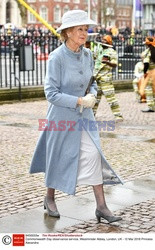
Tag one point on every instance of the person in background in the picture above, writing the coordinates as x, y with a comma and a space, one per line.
148, 84
106, 61
68, 150
91, 43
114, 31
139, 73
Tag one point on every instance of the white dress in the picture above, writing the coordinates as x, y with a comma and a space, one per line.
90, 166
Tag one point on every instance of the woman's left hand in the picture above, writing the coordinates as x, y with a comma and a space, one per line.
88, 101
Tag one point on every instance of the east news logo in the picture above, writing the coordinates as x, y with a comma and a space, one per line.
18, 240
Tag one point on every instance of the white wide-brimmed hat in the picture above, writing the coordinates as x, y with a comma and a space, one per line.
75, 18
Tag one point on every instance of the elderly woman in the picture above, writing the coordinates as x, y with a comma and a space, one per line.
68, 150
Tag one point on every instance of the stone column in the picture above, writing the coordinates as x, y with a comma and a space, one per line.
3, 12
15, 14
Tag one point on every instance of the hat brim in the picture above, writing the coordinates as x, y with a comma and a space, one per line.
90, 23
105, 44
93, 34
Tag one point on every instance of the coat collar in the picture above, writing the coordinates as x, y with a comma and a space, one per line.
70, 52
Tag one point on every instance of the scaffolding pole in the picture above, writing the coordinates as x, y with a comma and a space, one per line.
38, 17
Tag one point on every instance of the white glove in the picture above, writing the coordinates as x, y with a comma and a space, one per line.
88, 101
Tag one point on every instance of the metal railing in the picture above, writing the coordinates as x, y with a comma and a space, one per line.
128, 49
10, 63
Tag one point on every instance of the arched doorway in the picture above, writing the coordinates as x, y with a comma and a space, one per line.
8, 12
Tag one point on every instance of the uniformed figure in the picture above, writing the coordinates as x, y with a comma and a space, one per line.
148, 85
105, 61
139, 73
91, 43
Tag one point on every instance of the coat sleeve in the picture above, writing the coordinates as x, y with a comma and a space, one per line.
52, 86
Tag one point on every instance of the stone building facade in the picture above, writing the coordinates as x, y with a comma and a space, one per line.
10, 13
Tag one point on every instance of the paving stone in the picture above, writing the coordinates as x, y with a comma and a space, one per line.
144, 231
81, 231
134, 228
147, 226
144, 219
135, 224
145, 213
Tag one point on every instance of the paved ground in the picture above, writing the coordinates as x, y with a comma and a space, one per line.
138, 218
129, 148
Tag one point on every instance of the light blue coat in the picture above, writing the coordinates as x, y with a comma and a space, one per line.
57, 150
